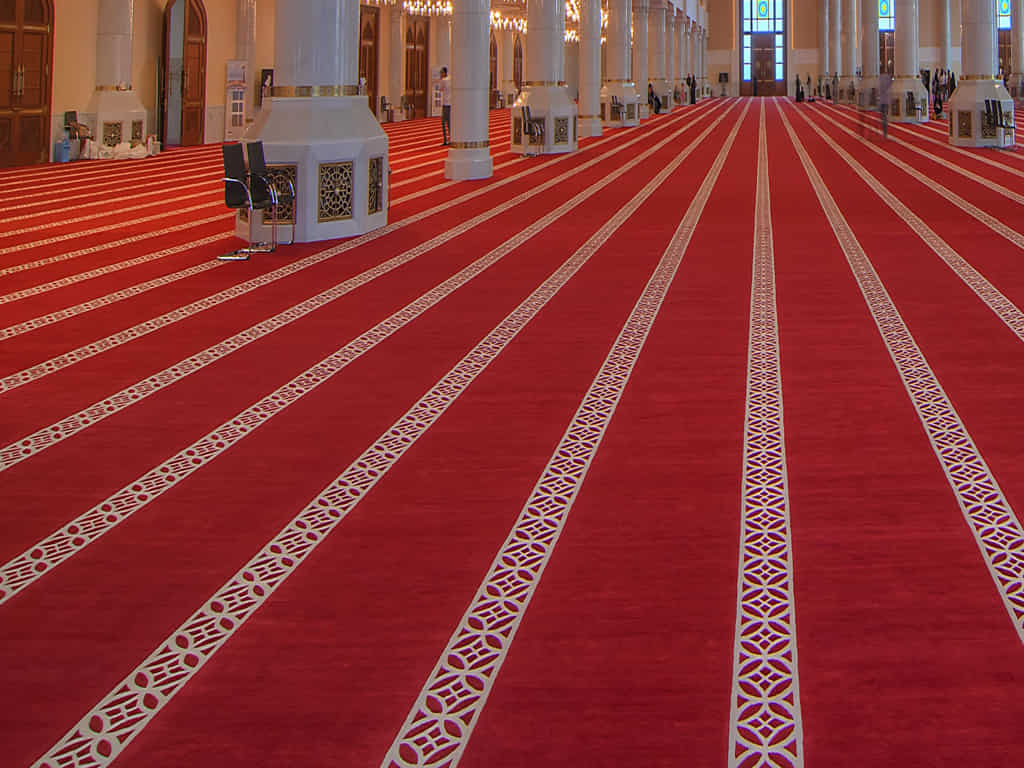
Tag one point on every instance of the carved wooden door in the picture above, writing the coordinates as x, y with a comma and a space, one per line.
26, 51
192, 73
369, 17
417, 70
762, 59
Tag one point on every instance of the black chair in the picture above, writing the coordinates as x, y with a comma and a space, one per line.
262, 183
616, 108
250, 189
533, 129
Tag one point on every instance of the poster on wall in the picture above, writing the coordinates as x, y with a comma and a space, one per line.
234, 114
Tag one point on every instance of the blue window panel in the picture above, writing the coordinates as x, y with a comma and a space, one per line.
746, 71
778, 71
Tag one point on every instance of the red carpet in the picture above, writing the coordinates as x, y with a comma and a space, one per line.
248, 506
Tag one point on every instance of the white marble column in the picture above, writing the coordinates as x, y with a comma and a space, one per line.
506, 64
1016, 80
316, 127
670, 55
835, 50
119, 114
618, 89
824, 65
909, 99
656, 54
590, 68
396, 68
978, 83
946, 41
867, 88
640, 54
691, 45
848, 61
544, 91
469, 153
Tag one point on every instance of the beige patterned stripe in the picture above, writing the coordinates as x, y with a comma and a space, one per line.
101, 734
114, 244
988, 514
204, 171
166, 202
1004, 309
448, 706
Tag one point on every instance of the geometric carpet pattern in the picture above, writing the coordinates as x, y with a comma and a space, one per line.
698, 446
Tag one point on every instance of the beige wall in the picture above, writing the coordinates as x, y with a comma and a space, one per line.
804, 23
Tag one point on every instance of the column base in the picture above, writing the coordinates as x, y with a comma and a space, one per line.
464, 164
589, 125
336, 154
629, 112
120, 117
847, 90
968, 123
663, 89
909, 101
551, 105
868, 93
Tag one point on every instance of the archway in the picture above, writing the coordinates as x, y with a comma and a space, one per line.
26, 57
369, 21
763, 48
183, 85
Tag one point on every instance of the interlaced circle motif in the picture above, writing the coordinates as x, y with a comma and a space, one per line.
28, 265
766, 725
1005, 309
995, 526
103, 732
108, 269
163, 202
438, 728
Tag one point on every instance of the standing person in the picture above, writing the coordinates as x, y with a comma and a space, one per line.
693, 89
884, 95
446, 106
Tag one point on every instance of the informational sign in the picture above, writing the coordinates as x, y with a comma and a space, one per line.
234, 111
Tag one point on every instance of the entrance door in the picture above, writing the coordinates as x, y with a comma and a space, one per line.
886, 54
26, 50
184, 83
369, 17
417, 70
762, 61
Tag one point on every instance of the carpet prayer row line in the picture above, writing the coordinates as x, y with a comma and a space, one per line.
697, 445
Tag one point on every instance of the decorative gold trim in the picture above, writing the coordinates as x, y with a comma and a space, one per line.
620, 81
336, 193
589, 117
980, 77
907, 77
542, 83
313, 91
113, 88
469, 144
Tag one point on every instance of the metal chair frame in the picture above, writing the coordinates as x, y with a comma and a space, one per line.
234, 162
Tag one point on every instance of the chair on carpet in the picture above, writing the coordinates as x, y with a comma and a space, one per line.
616, 108
250, 190
533, 129
260, 176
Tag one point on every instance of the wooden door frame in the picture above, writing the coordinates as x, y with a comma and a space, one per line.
46, 98
166, 58
371, 11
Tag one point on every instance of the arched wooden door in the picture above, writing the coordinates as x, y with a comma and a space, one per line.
417, 71
26, 53
191, 75
494, 72
369, 22
517, 63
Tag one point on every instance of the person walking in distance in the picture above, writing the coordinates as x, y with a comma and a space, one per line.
446, 106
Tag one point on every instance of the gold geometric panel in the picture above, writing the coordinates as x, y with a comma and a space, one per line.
335, 191
517, 130
375, 200
951, 129
561, 130
895, 106
988, 131
279, 176
603, 104
575, 133
631, 111
963, 123
111, 134
136, 130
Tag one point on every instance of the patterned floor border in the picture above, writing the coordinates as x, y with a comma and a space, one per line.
42, 557
765, 724
441, 721
993, 298
103, 732
163, 201
988, 514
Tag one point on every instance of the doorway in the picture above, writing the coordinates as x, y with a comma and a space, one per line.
183, 85
886, 52
369, 22
763, 62
417, 70
26, 54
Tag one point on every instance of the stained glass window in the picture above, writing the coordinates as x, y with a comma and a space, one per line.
1003, 8
885, 15
764, 16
